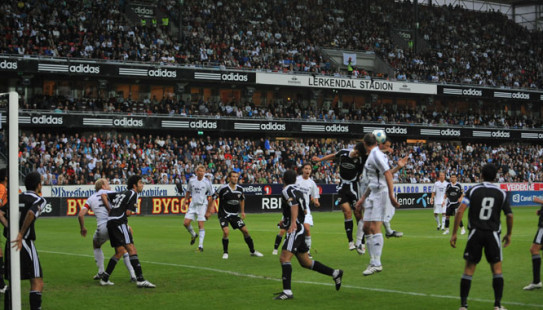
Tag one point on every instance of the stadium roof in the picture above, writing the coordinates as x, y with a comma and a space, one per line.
516, 2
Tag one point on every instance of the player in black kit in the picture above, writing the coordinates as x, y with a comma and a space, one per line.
30, 206
231, 202
535, 249
123, 204
351, 163
454, 193
485, 202
293, 222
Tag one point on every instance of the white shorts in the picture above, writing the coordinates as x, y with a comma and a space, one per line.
389, 214
101, 234
308, 219
376, 206
197, 213
439, 209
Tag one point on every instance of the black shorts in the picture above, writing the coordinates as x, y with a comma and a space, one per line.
479, 239
538, 239
119, 234
30, 261
348, 193
451, 209
235, 221
295, 242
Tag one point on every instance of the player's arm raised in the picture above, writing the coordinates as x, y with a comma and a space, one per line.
318, 159
401, 163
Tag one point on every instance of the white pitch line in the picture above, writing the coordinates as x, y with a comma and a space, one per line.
253, 276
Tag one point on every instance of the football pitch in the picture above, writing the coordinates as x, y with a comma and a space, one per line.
421, 270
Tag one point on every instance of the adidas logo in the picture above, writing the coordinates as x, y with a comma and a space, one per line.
10, 65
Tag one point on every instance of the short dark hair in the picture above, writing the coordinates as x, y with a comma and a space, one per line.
489, 172
289, 177
453, 174
369, 139
32, 181
360, 148
133, 180
3, 174
230, 173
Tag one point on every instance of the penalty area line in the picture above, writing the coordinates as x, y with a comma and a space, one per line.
253, 276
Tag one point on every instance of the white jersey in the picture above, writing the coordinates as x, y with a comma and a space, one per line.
199, 191
375, 168
439, 189
95, 203
308, 188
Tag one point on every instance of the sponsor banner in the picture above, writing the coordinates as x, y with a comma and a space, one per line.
407, 188
468, 92
516, 95
523, 198
414, 200
52, 208
441, 132
9, 65
143, 11
186, 124
71, 68
499, 134
267, 126
53, 120
163, 73
344, 83
236, 77
531, 135
521, 187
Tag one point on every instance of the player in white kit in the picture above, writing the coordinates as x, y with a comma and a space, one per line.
99, 204
201, 191
438, 199
309, 188
381, 195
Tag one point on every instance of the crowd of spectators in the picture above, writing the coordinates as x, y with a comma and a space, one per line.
69, 158
459, 45
425, 114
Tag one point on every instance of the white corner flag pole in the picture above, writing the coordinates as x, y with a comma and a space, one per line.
13, 198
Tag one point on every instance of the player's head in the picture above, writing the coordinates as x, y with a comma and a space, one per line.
200, 171
289, 177
369, 140
3, 174
33, 182
489, 172
442, 176
306, 170
453, 177
135, 183
233, 177
101, 184
386, 147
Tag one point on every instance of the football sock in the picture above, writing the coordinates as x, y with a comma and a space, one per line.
201, 236
447, 222
349, 229
465, 285
99, 259
278, 239
377, 248
369, 247
110, 267
360, 232
387, 228
308, 241
461, 223
126, 260
287, 274
7, 299
191, 230
134, 260
437, 219
225, 245
536, 264
321, 268
35, 300
443, 218
250, 244
497, 284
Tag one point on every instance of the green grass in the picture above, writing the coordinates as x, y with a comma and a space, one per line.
421, 270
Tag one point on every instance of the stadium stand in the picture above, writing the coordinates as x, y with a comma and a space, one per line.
81, 159
461, 46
